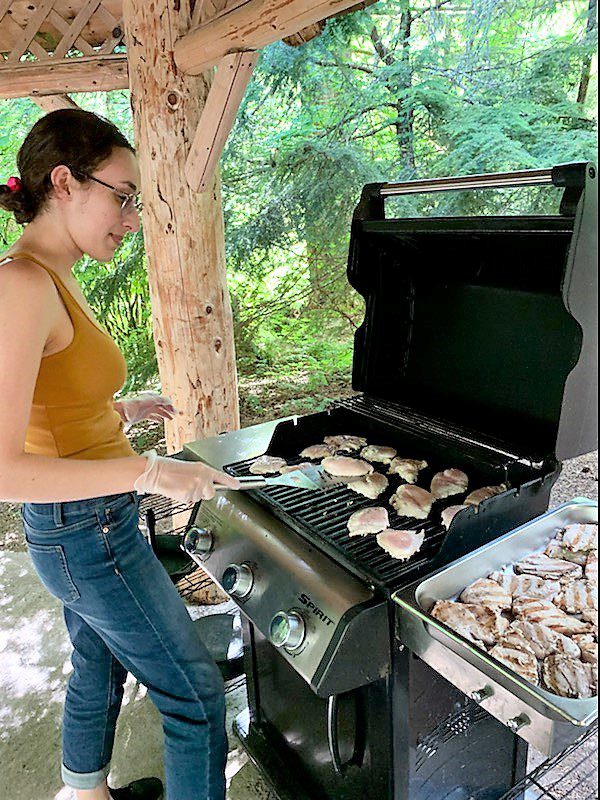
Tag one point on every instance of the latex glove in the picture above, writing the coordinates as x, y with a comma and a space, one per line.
187, 481
147, 405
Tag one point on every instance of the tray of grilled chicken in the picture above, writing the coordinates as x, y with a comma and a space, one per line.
514, 625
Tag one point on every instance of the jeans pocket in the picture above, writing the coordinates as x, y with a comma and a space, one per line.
50, 564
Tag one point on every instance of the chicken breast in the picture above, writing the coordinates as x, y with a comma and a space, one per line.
591, 671
401, 544
318, 451
544, 641
370, 486
448, 483
368, 520
581, 538
479, 625
345, 443
589, 652
407, 468
556, 549
591, 568
520, 661
267, 465
543, 566
378, 454
526, 585
479, 495
345, 467
546, 613
566, 677
578, 596
487, 593
294, 467
449, 513
412, 501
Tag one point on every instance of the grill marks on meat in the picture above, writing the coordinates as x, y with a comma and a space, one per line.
591, 568
526, 585
479, 495
521, 661
267, 465
577, 597
487, 593
412, 501
449, 513
546, 613
581, 538
346, 443
401, 545
370, 486
545, 567
345, 467
544, 641
479, 625
407, 468
368, 520
566, 676
378, 453
556, 549
448, 483
318, 451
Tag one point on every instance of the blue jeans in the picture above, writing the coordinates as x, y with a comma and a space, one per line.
123, 614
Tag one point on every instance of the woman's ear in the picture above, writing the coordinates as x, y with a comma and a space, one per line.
62, 182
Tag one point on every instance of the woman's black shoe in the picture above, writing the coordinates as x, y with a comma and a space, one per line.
143, 789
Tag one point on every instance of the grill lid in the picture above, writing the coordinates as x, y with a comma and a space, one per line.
486, 322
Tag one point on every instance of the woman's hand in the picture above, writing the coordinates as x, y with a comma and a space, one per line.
147, 405
187, 481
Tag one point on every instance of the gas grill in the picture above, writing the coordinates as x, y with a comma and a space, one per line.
477, 351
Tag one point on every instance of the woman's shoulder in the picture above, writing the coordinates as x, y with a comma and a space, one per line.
21, 274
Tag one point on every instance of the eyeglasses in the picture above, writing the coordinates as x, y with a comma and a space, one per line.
129, 201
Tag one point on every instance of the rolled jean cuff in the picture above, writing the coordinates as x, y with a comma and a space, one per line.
84, 780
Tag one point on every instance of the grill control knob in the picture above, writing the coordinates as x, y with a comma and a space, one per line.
238, 580
198, 542
287, 630
479, 695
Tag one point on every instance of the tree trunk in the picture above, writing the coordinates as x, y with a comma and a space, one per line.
183, 230
584, 81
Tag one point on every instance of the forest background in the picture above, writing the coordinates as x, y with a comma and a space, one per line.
401, 90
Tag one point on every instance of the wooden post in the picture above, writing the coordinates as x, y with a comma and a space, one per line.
183, 230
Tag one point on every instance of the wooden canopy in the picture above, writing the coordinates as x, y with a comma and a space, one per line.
164, 52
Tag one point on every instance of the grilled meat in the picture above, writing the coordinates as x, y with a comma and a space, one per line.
412, 501
345, 443
520, 661
591, 568
546, 613
526, 585
477, 624
368, 520
318, 451
479, 495
581, 538
378, 453
448, 483
589, 650
543, 566
370, 486
293, 468
449, 513
578, 596
544, 641
401, 544
487, 593
267, 465
407, 468
566, 677
591, 672
556, 549
344, 467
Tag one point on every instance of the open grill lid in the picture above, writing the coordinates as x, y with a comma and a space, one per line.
485, 322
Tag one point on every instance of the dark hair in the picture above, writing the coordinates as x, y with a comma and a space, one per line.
79, 139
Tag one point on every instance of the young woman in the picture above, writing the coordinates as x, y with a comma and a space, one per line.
64, 455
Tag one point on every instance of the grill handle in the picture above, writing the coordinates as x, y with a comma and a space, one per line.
493, 180
340, 767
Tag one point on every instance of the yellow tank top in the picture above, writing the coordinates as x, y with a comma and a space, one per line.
72, 415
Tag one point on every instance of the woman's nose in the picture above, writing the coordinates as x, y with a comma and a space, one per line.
131, 220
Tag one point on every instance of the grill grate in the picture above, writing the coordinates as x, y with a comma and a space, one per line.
570, 774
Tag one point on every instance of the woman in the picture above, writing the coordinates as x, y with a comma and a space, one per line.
64, 455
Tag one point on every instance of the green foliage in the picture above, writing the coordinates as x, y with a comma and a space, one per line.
403, 89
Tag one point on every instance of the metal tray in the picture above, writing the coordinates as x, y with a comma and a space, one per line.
546, 721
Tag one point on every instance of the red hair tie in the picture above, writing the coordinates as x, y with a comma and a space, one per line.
14, 184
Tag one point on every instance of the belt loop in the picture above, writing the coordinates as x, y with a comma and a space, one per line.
57, 510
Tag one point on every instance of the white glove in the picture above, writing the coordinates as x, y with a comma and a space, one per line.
146, 405
187, 481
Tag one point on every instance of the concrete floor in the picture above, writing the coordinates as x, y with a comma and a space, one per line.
34, 663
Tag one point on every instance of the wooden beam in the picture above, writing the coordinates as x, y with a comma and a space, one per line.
53, 102
26, 37
222, 104
183, 230
88, 74
250, 26
75, 28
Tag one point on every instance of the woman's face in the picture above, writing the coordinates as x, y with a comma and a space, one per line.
97, 223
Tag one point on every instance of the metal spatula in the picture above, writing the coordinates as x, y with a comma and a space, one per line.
313, 478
